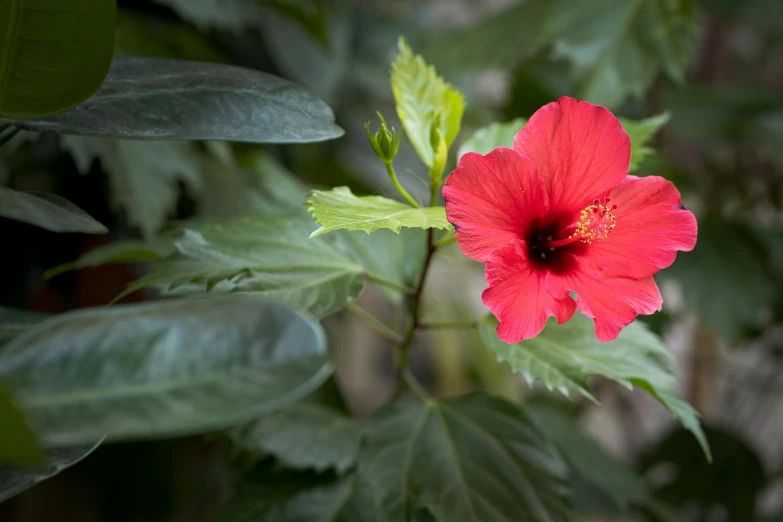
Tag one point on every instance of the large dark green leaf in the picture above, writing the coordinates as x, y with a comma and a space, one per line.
470, 459
162, 369
18, 445
159, 99
313, 433
53, 53
47, 211
564, 356
13, 322
15, 480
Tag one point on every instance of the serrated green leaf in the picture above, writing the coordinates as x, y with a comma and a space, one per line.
162, 369
144, 175
473, 458
564, 356
275, 495
14, 481
640, 132
53, 53
339, 209
497, 134
48, 211
616, 47
234, 104
18, 444
314, 434
424, 100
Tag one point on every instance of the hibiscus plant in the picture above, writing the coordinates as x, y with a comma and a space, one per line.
230, 332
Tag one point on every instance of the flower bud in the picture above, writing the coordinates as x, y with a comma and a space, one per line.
385, 143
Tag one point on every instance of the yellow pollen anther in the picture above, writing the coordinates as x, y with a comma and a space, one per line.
595, 222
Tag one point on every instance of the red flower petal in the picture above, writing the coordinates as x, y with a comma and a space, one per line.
651, 226
580, 149
518, 297
492, 199
613, 302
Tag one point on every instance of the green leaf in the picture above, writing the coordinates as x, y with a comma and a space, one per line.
312, 433
640, 132
498, 134
54, 54
616, 47
727, 279
276, 495
13, 322
18, 444
424, 101
587, 458
14, 481
339, 209
234, 104
162, 369
47, 211
124, 251
564, 356
144, 176
474, 458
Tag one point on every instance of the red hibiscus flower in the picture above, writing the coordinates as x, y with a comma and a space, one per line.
559, 214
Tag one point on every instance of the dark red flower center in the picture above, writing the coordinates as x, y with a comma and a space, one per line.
547, 243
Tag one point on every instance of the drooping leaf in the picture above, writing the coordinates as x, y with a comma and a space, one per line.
498, 134
124, 251
424, 102
727, 278
274, 495
162, 369
474, 458
18, 444
587, 458
564, 356
313, 433
234, 104
339, 209
640, 132
54, 54
14, 481
616, 47
144, 175
48, 211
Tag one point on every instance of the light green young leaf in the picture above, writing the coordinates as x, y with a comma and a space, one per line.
423, 100
564, 356
48, 211
144, 175
641, 132
18, 444
162, 369
14, 481
339, 209
492, 462
54, 53
498, 134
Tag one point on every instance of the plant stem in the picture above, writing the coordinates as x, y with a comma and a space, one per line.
403, 359
415, 385
7, 134
374, 323
400, 188
447, 325
390, 284
447, 239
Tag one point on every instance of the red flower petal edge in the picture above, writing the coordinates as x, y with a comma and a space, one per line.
560, 214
